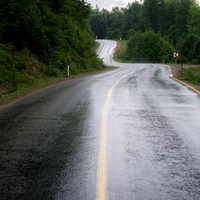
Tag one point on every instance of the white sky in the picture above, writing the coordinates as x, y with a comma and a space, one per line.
108, 4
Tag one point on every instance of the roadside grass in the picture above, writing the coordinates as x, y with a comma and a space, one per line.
120, 53
40, 83
22, 73
95, 46
191, 75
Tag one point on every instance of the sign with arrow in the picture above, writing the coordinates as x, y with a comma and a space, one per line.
176, 55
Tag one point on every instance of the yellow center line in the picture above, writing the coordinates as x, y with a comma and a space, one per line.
101, 168
197, 91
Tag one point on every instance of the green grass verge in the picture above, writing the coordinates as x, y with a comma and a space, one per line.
95, 46
191, 75
120, 53
43, 82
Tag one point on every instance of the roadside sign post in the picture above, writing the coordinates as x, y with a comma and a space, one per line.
176, 56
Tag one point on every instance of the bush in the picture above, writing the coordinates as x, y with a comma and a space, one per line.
195, 52
191, 49
15, 68
148, 47
9, 75
52, 71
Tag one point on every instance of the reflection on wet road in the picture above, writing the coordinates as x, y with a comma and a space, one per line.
51, 142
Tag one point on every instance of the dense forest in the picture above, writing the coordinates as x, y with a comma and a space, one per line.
175, 23
35, 36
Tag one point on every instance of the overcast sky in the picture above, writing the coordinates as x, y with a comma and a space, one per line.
108, 4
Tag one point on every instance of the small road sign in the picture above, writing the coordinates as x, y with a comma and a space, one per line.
176, 55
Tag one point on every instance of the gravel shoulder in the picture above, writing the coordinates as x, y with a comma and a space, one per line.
176, 72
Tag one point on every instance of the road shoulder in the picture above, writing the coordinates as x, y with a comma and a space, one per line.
176, 70
21, 94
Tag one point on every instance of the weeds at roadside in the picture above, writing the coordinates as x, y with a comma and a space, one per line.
120, 53
191, 75
95, 46
42, 82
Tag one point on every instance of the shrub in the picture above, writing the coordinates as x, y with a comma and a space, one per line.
52, 71
148, 47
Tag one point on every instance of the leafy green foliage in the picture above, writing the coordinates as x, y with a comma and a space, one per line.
15, 68
168, 17
195, 54
46, 29
191, 52
148, 47
193, 24
177, 21
192, 75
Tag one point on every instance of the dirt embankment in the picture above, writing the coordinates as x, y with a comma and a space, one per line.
176, 72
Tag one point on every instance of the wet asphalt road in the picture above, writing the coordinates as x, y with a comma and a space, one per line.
90, 138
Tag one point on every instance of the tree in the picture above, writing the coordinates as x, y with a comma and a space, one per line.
193, 23
47, 28
148, 47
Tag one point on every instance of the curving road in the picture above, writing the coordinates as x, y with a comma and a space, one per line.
130, 133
